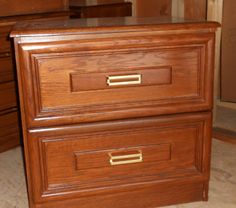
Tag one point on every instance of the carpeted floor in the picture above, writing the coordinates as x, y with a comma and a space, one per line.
222, 186
225, 118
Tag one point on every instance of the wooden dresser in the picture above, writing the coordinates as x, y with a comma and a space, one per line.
110, 9
116, 112
12, 11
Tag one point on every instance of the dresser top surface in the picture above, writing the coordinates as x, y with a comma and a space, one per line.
102, 25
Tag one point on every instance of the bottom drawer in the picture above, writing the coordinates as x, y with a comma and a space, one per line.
85, 159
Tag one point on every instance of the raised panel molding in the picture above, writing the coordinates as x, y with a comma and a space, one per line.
51, 139
40, 113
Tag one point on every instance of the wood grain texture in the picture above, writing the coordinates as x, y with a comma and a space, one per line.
188, 91
54, 172
155, 195
60, 174
126, 63
88, 160
69, 130
110, 80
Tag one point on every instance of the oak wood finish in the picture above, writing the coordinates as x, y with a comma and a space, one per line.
91, 143
111, 80
189, 90
164, 143
163, 196
55, 82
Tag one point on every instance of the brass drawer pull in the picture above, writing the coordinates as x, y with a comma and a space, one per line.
120, 80
126, 159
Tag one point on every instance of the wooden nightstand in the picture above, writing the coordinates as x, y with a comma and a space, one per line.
116, 112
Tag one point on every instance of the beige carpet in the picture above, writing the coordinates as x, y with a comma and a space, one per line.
225, 118
222, 185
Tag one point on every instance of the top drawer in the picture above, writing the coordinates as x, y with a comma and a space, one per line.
90, 80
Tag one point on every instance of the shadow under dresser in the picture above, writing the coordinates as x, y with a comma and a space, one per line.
116, 112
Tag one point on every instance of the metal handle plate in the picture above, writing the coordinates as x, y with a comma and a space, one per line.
126, 159
120, 80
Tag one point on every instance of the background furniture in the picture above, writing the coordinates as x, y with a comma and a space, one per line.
20, 7
126, 101
111, 9
10, 13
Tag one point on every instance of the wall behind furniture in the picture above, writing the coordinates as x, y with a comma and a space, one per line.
228, 59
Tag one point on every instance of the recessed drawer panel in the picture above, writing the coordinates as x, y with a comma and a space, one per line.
108, 80
115, 79
7, 95
133, 77
116, 153
122, 156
